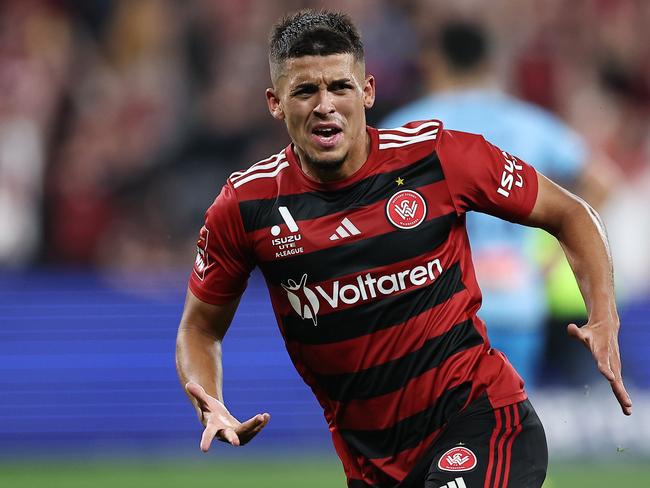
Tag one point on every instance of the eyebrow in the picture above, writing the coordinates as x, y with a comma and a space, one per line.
342, 81
309, 84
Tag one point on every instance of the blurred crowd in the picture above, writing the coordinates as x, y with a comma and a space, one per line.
120, 119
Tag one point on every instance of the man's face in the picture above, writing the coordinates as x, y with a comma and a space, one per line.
323, 99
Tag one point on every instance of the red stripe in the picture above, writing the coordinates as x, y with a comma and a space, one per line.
420, 393
370, 350
493, 438
508, 429
509, 444
399, 466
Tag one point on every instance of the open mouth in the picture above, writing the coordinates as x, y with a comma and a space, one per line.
326, 131
327, 136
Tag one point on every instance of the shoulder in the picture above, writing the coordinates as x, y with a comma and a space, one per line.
416, 136
455, 144
260, 179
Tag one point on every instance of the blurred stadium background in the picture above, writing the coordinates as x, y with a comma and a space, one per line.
119, 122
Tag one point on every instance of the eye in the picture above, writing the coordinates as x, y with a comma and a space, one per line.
340, 87
304, 91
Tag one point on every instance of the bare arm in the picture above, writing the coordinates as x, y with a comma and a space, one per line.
596, 181
198, 362
581, 234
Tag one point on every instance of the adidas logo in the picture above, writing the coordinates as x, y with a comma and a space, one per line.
344, 230
457, 483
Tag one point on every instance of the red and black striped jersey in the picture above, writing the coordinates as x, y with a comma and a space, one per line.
372, 283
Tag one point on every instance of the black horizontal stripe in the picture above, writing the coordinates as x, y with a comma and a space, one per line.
258, 214
376, 315
346, 259
408, 433
395, 374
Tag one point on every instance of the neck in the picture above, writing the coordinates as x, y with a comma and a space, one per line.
324, 173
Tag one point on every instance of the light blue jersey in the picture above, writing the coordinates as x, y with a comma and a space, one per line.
513, 293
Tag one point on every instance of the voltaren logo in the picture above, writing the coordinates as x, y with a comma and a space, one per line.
360, 288
302, 299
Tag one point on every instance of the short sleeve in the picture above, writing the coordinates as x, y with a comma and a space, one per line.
223, 260
482, 177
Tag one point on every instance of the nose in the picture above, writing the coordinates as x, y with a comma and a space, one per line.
325, 104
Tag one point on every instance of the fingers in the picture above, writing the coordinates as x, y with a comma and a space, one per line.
208, 435
605, 351
618, 387
259, 420
230, 436
234, 436
213, 430
602, 362
622, 396
249, 429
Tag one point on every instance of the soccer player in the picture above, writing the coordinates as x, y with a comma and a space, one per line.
360, 235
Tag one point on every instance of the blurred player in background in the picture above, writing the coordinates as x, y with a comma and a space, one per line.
465, 95
360, 234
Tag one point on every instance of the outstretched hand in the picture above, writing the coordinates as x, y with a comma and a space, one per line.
218, 422
601, 338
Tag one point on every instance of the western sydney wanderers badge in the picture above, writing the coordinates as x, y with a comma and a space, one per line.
457, 459
406, 209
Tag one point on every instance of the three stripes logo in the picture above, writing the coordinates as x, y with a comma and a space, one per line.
346, 229
457, 483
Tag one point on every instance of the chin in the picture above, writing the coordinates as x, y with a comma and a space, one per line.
326, 162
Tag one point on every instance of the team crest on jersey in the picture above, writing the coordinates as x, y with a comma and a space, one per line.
406, 209
458, 459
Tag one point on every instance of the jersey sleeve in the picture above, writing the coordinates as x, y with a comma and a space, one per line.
482, 177
223, 260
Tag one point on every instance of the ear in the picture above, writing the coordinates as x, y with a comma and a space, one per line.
273, 103
369, 92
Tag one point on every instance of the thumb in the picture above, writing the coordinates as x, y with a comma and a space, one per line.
574, 331
197, 391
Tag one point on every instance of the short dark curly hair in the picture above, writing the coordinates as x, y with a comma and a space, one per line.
312, 33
